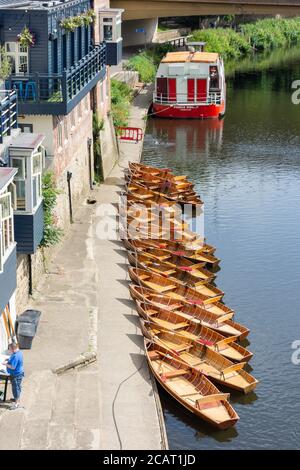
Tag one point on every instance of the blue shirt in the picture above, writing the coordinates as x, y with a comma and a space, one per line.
16, 361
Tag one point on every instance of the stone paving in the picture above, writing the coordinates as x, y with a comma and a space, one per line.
110, 404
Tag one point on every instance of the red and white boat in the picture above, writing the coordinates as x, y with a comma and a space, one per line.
190, 85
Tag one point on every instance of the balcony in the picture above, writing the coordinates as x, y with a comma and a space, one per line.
59, 94
8, 113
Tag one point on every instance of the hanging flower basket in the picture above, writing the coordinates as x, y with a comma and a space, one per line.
68, 24
26, 38
89, 17
72, 22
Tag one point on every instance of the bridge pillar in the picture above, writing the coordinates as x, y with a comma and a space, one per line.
137, 32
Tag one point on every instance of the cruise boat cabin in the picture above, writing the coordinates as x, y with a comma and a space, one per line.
190, 85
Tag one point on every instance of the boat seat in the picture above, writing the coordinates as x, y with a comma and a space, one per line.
153, 355
173, 295
174, 373
143, 277
182, 324
159, 288
150, 311
211, 401
172, 307
184, 348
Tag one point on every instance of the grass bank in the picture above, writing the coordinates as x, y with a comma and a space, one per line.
146, 62
262, 35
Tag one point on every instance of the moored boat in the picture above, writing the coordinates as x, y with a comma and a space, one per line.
196, 270
203, 295
176, 248
138, 289
189, 278
190, 85
223, 324
173, 321
190, 388
216, 367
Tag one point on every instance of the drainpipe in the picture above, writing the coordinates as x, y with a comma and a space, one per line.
89, 142
30, 288
69, 177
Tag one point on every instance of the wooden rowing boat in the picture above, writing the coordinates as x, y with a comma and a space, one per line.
151, 170
223, 324
202, 317
195, 270
175, 322
178, 274
189, 297
190, 388
214, 366
175, 248
138, 291
158, 182
177, 195
203, 295
154, 202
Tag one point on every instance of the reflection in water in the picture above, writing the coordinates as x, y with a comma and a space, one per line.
247, 170
190, 134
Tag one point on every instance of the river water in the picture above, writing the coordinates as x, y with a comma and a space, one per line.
247, 170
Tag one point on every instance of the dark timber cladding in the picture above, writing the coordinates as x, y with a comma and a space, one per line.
29, 230
8, 279
11, 24
63, 66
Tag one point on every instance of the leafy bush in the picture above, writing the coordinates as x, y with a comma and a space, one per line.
261, 35
52, 233
272, 33
146, 62
227, 42
98, 125
143, 63
121, 96
5, 64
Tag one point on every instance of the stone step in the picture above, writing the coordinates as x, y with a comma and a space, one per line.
38, 401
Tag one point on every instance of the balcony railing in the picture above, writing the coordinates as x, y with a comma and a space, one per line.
59, 93
8, 113
184, 99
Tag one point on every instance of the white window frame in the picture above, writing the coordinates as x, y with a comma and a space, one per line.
112, 18
17, 54
22, 178
7, 224
30, 176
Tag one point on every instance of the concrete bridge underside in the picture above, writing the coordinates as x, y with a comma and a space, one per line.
142, 9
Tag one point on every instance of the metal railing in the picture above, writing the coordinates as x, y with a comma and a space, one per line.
58, 88
188, 99
8, 112
78, 76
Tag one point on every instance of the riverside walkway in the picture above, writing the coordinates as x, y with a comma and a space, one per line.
111, 403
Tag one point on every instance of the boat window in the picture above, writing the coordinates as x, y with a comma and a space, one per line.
214, 77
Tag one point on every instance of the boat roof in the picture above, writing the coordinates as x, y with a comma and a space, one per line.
186, 56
